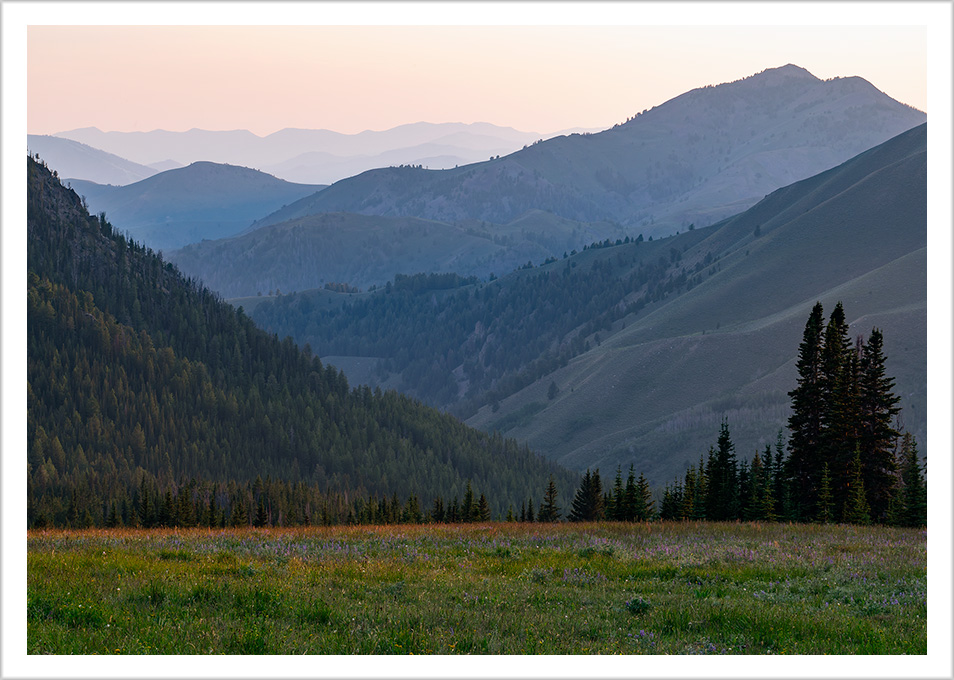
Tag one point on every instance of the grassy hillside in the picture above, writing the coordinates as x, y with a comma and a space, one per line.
655, 391
698, 158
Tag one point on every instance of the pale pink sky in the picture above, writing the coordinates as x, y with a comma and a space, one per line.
353, 78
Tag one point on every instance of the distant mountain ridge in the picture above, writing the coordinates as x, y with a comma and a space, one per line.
76, 160
698, 158
201, 201
314, 156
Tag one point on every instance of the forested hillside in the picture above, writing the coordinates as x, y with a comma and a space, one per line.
147, 393
460, 344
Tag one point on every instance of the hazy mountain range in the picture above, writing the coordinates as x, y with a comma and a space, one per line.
713, 332
76, 160
698, 158
314, 156
202, 200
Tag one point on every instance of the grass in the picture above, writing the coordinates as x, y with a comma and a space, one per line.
663, 588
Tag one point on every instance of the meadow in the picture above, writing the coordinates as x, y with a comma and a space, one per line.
494, 588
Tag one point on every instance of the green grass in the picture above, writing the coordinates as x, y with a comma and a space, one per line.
664, 588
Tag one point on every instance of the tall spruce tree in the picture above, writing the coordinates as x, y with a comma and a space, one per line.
914, 491
877, 407
645, 505
549, 510
722, 498
803, 465
856, 510
588, 501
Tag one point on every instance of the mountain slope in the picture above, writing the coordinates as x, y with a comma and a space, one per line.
78, 161
141, 379
656, 389
185, 205
633, 352
697, 158
367, 250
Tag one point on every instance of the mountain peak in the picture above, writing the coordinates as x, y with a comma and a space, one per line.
787, 71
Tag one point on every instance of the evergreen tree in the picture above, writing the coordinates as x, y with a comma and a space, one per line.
549, 511
878, 406
261, 513
468, 510
645, 505
825, 504
412, 510
631, 496
437, 510
722, 474
483, 509
856, 510
616, 510
803, 467
689, 494
588, 501
530, 510
671, 501
914, 491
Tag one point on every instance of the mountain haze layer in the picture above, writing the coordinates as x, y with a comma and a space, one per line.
698, 158
201, 201
80, 161
315, 156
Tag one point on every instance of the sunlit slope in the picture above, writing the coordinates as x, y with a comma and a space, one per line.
654, 392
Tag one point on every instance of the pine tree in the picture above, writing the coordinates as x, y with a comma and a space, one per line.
803, 465
588, 501
644, 500
838, 390
549, 511
878, 406
437, 510
530, 510
825, 504
631, 496
914, 492
616, 511
856, 509
483, 509
689, 494
722, 475
671, 501
468, 510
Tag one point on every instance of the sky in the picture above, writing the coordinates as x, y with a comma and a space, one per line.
351, 78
